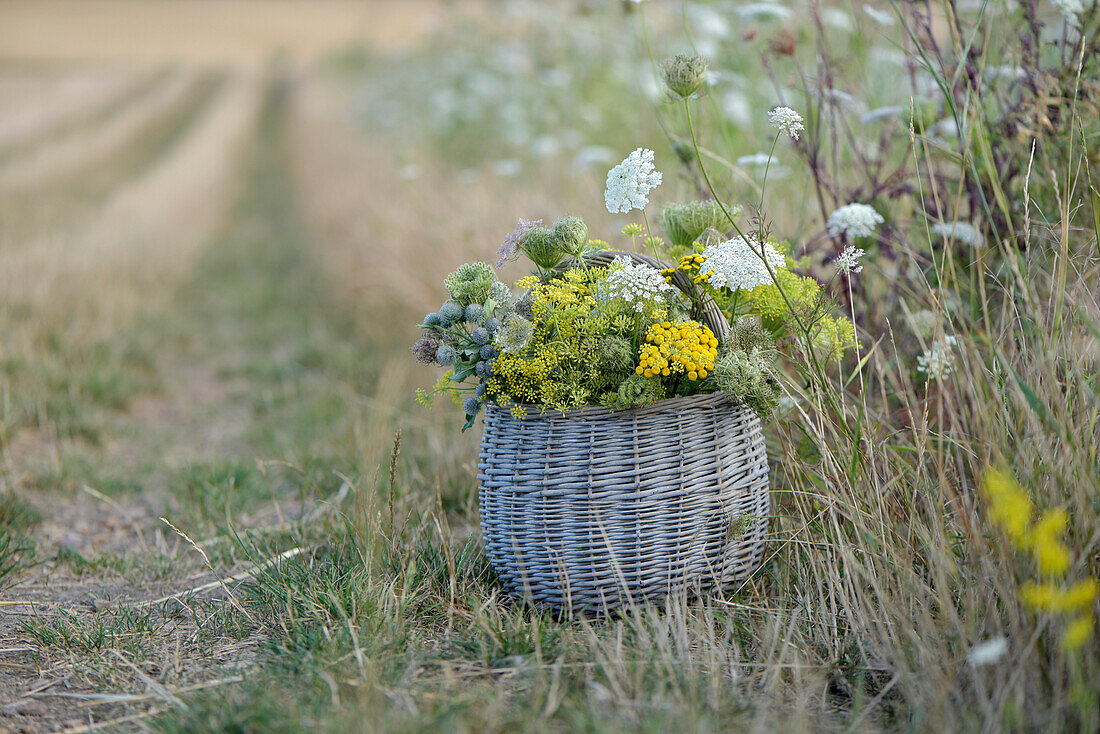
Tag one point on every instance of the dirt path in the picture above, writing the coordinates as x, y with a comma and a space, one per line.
250, 430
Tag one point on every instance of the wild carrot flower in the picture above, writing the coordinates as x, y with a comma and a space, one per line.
962, 232
786, 121
515, 334
849, 260
854, 221
635, 283
571, 235
512, 242
684, 75
939, 360
629, 183
737, 263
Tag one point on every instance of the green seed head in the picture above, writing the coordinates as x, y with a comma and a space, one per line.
685, 75
685, 223
571, 235
542, 247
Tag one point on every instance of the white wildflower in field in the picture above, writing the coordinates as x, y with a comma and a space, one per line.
892, 112
506, 168
838, 98
988, 652
848, 261
708, 22
837, 18
736, 108
737, 263
592, 155
962, 232
635, 283
881, 17
1072, 10
756, 159
938, 361
787, 121
629, 183
763, 11
854, 220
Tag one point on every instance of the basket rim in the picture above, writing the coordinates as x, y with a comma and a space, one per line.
548, 412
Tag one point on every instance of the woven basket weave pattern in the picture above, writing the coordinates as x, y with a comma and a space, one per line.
592, 508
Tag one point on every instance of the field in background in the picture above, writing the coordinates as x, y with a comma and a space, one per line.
220, 506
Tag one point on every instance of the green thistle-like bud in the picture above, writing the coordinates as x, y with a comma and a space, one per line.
470, 283
745, 370
748, 335
450, 312
684, 75
684, 224
541, 246
571, 235
614, 354
474, 313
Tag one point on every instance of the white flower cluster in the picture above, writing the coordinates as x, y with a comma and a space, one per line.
629, 183
636, 283
848, 261
1072, 10
962, 232
938, 361
786, 120
881, 17
737, 263
854, 220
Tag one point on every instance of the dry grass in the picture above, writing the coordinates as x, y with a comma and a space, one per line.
273, 257
197, 32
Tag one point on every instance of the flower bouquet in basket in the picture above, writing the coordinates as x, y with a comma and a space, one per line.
622, 391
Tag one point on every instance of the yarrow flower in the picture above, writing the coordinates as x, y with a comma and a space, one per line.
737, 263
514, 239
636, 283
962, 232
629, 183
786, 121
939, 360
853, 221
848, 261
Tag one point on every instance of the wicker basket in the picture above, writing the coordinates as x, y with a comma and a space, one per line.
592, 509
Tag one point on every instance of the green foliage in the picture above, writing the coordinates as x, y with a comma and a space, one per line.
684, 224
471, 283
636, 391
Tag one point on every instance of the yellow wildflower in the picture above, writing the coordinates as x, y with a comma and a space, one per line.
1009, 505
686, 347
1078, 632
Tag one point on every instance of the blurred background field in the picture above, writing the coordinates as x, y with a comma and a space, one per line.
220, 221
